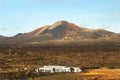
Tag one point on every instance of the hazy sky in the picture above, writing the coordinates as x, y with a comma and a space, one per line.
20, 16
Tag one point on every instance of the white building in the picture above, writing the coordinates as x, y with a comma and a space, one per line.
77, 69
57, 68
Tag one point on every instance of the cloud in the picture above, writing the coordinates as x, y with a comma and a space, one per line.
84, 24
106, 27
117, 14
3, 29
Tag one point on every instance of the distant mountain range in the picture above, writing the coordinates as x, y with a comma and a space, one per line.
1, 36
59, 32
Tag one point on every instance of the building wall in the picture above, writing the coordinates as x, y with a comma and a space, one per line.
53, 69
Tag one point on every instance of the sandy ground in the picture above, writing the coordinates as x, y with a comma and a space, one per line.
103, 74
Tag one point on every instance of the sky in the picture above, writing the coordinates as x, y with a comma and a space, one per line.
22, 16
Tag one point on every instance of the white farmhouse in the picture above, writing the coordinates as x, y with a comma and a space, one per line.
77, 69
56, 68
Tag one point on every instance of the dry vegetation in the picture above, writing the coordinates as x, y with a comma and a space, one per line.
85, 56
15, 58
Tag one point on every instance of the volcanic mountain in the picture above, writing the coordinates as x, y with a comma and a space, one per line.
61, 31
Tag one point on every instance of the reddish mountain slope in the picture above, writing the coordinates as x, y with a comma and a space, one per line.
62, 31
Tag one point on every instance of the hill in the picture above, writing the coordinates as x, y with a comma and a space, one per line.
60, 32
2, 36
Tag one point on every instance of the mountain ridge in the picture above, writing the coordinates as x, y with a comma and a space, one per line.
60, 31
2, 36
